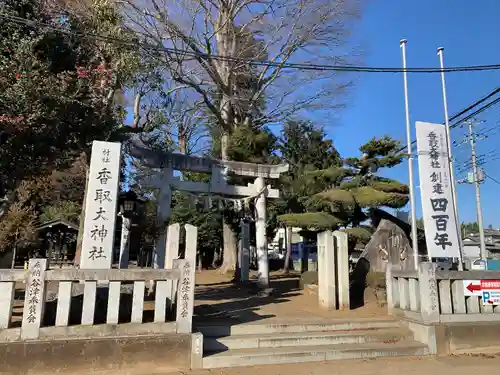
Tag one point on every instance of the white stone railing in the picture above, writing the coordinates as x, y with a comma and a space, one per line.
437, 296
37, 281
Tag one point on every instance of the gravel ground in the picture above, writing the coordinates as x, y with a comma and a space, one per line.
455, 365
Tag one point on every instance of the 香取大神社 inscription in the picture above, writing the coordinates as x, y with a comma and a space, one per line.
101, 205
436, 192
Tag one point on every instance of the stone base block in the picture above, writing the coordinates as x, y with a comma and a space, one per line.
138, 354
467, 338
457, 338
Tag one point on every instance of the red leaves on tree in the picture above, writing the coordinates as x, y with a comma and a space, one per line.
4, 118
81, 72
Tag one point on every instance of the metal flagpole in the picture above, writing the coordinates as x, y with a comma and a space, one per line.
450, 160
414, 238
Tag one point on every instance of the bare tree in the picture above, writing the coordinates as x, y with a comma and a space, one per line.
203, 44
171, 123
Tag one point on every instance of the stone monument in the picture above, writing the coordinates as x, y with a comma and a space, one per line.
390, 243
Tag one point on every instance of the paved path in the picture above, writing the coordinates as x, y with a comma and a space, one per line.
218, 299
455, 365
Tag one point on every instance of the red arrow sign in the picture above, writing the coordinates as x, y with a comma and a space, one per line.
473, 287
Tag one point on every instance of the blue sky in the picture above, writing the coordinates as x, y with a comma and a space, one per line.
469, 33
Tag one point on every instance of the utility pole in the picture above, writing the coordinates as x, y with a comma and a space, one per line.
477, 188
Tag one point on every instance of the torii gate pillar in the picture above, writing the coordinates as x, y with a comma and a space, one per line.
260, 234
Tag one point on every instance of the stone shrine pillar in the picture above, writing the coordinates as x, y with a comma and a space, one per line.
172, 252
163, 212
342, 264
326, 271
100, 206
244, 252
333, 270
260, 233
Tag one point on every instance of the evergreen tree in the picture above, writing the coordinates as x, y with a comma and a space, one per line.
58, 95
304, 148
346, 191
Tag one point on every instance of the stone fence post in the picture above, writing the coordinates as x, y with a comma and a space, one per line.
429, 300
34, 300
185, 295
326, 270
186, 284
391, 295
342, 264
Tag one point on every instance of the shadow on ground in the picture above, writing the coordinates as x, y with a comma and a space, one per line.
240, 302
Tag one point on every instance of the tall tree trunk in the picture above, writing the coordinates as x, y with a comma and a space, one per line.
288, 244
183, 141
216, 258
200, 261
230, 247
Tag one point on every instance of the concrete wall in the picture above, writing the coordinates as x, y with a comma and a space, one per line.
468, 338
457, 338
141, 355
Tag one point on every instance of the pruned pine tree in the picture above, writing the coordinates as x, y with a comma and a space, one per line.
346, 191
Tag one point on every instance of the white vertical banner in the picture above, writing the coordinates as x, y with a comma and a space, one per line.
101, 205
440, 223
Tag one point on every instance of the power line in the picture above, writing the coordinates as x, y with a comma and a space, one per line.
485, 132
483, 158
467, 109
473, 114
491, 178
480, 162
206, 56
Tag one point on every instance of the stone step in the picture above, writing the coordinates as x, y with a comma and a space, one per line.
211, 344
221, 330
268, 356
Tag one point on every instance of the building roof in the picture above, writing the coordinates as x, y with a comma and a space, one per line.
474, 241
55, 222
495, 233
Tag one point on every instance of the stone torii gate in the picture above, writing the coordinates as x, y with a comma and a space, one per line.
164, 164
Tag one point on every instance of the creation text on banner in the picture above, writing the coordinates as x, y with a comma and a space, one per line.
440, 222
